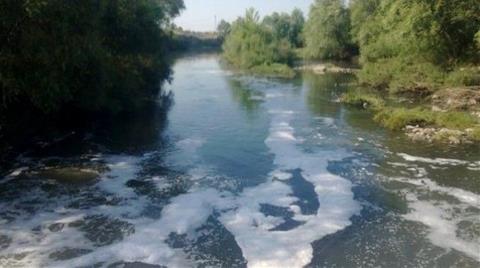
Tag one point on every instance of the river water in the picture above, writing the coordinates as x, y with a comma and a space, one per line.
242, 172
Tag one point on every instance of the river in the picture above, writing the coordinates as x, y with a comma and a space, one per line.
242, 172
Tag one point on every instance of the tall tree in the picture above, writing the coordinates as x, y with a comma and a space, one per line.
91, 54
327, 31
223, 29
251, 43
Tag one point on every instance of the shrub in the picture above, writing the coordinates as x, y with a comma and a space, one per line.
274, 70
466, 76
360, 99
455, 120
398, 118
401, 74
90, 55
250, 43
327, 31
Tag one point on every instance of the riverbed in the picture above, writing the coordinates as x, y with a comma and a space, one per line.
242, 171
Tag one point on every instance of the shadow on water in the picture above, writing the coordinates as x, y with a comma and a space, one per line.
133, 132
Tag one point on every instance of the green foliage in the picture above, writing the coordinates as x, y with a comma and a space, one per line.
363, 99
274, 70
477, 39
401, 74
464, 76
398, 118
362, 12
92, 54
475, 134
223, 29
327, 31
286, 26
455, 120
251, 44
406, 43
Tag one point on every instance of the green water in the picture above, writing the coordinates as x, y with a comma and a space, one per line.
242, 171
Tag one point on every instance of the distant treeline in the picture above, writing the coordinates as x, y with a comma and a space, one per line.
401, 44
195, 41
91, 55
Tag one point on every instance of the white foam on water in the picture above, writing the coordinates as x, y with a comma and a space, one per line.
280, 175
257, 98
439, 161
183, 215
443, 217
443, 226
14, 174
274, 95
186, 152
30, 234
461, 195
190, 145
242, 215
121, 170
38, 244
263, 247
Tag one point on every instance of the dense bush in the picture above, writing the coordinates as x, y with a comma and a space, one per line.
327, 31
404, 43
251, 43
286, 26
223, 29
398, 118
92, 54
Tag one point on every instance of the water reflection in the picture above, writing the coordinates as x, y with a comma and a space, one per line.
325, 91
249, 99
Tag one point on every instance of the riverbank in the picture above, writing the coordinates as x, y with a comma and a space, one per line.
323, 68
449, 115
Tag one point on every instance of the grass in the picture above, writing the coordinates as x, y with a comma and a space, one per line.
398, 118
456, 120
454, 124
400, 75
274, 70
475, 134
464, 76
359, 99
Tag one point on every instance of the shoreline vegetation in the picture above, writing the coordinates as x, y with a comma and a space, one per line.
90, 56
67, 65
419, 61
263, 46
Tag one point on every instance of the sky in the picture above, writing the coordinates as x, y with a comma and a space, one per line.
199, 15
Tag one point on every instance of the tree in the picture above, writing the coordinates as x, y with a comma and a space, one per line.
477, 39
250, 43
223, 29
286, 26
297, 23
408, 44
327, 31
92, 55
361, 12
